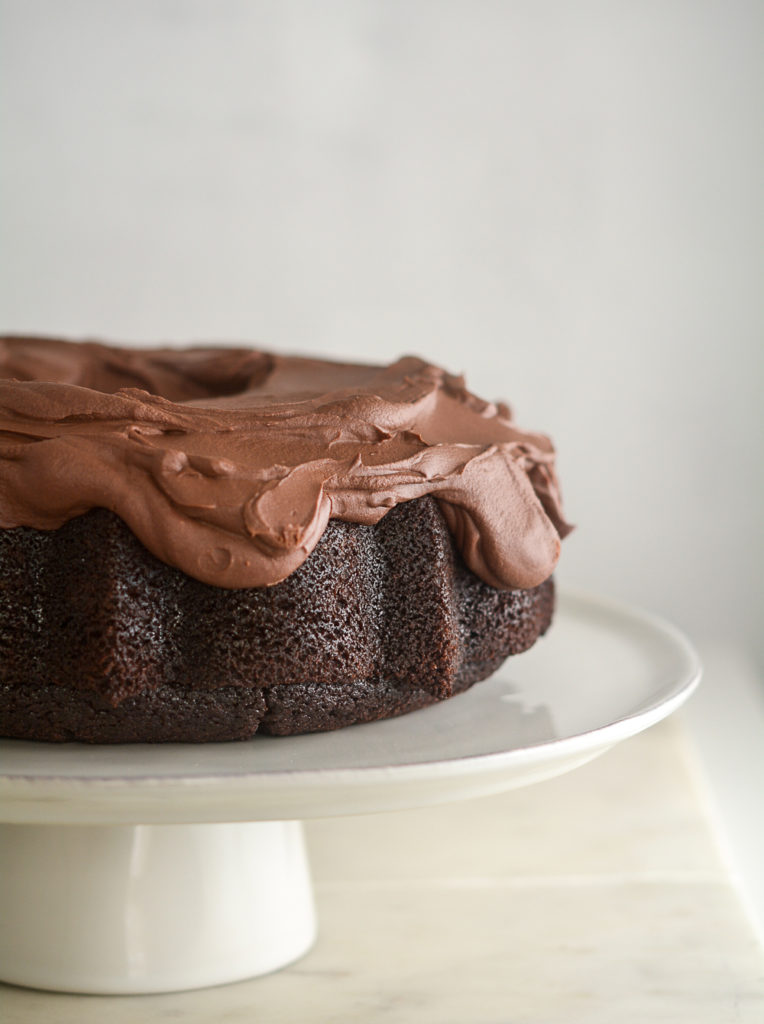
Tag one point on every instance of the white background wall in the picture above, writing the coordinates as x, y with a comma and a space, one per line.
562, 199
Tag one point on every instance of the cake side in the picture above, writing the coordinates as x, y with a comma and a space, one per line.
119, 647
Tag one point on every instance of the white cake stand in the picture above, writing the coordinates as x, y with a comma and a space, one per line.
155, 868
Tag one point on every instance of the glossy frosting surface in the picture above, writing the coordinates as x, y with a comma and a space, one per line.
228, 463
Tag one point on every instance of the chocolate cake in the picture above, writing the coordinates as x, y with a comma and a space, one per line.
199, 544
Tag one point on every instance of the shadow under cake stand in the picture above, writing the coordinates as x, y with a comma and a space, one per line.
156, 868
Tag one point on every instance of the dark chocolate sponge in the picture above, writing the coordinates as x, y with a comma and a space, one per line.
101, 642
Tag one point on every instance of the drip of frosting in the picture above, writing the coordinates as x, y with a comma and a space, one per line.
228, 463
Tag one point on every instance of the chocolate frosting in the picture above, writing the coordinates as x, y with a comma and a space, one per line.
228, 463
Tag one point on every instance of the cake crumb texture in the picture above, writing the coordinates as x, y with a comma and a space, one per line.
101, 642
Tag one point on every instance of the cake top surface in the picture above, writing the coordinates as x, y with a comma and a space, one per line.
229, 462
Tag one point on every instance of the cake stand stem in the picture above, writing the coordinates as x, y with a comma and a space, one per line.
123, 909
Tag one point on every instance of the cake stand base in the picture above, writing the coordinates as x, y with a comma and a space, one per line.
124, 909
94, 902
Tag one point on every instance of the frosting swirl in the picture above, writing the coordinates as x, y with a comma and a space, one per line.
228, 463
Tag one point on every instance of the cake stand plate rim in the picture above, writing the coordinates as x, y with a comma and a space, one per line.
653, 666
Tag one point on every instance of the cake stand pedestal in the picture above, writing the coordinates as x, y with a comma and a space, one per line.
137, 869
151, 908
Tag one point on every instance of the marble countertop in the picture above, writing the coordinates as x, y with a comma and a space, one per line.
595, 897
